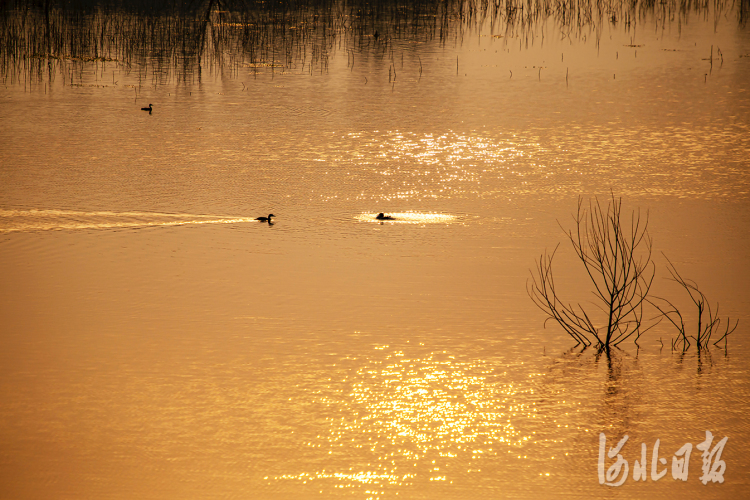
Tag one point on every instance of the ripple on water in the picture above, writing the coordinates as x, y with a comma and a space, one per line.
45, 220
411, 418
409, 218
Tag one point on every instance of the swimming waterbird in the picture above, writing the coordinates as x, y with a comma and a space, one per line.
149, 108
382, 216
265, 219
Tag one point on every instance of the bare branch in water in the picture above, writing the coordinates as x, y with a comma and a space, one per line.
705, 330
617, 260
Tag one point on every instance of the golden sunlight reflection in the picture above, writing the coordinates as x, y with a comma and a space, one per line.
486, 163
413, 419
405, 165
42, 220
449, 148
409, 218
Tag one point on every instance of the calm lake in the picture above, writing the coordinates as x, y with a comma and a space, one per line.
158, 342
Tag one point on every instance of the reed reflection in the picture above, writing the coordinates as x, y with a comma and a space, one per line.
165, 40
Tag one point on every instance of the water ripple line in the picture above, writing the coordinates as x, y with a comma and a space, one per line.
15, 220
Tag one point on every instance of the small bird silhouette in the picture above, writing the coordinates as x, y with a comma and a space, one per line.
265, 219
382, 216
149, 108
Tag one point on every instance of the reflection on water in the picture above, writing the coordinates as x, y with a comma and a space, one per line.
42, 220
176, 42
393, 421
215, 358
422, 415
409, 218
494, 164
430, 166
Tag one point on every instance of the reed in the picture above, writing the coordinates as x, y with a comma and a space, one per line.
164, 40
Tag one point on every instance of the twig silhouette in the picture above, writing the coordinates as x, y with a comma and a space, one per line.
705, 330
617, 260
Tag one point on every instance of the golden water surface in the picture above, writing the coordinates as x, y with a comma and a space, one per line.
157, 341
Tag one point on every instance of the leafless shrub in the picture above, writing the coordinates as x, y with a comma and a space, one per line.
617, 259
705, 329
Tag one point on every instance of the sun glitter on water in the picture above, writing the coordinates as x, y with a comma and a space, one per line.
409, 218
410, 420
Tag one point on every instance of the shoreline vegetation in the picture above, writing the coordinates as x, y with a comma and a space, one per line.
44, 38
